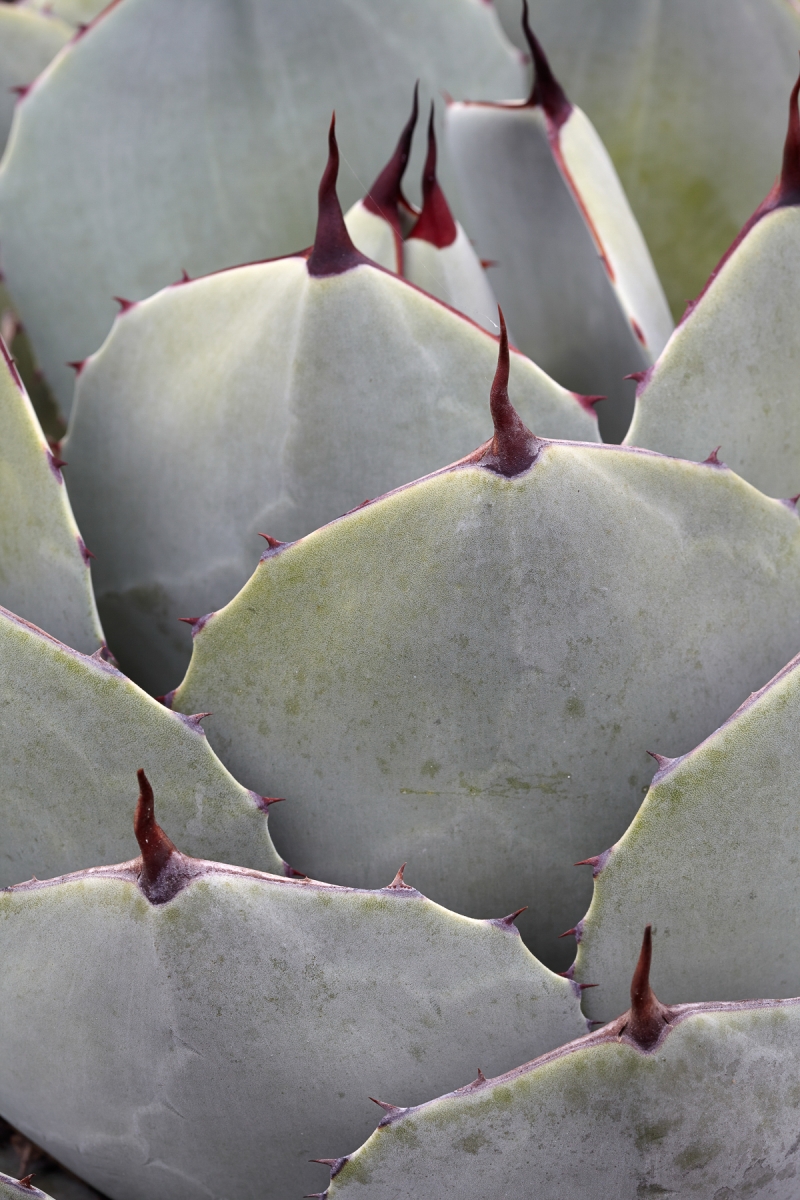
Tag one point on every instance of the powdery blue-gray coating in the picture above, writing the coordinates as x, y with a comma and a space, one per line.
232, 175
469, 672
574, 276
722, 70
265, 400
711, 859
712, 1111
729, 375
213, 1043
73, 734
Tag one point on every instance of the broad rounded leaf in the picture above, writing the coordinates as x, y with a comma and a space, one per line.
198, 148
481, 661
710, 1112
265, 400
235, 1025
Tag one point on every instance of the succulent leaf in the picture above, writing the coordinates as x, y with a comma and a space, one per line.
729, 373
28, 41
73, 734
44, 572
485, 655
249, 1017
231, 174
267, 399
690, 100
573, 273
711, 859
699, 1100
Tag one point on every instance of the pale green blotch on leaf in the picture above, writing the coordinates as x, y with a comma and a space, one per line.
268, 399
690, 99
468, 672
73, 734
693, 1100
573, 274
199, 148
711, 859
28, 41
44, 571
730, 374
234, 1024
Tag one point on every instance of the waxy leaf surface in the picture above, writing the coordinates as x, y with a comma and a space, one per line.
711, 859
198, 148
710, 1112
468, 673
74, 732
689, 99
236, 1030
730, 374
573, 275
265, 400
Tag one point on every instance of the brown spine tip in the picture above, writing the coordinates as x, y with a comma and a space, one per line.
398, 883
197, 624
389, 1108
272, 542
333, 252
124, 305
156, 848
513, 448
662, 760
509, 921
546, 91
385, 196
435, 224
647, 1017
335, 1164
164, 871
264, 802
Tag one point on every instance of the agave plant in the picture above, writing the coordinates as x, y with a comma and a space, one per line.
451, 672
